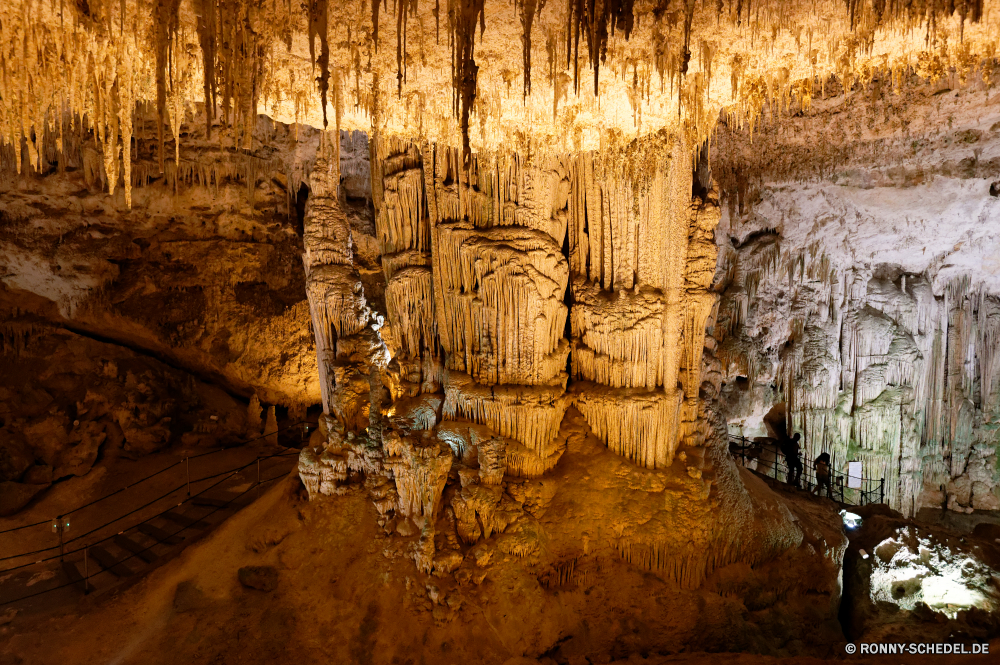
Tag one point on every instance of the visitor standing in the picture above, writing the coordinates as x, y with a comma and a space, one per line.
790, 449
823, 474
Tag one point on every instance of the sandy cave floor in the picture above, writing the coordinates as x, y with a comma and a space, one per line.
338, 601
341, 599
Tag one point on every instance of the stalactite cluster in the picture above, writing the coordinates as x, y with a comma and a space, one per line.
882, 371
775, 55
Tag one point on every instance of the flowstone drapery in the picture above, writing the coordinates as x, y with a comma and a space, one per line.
547, 339
874, 365
514, 288
508, 279
642, 264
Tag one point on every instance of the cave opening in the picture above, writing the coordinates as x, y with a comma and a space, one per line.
301, 199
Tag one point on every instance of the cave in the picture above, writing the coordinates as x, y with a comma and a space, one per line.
509, 333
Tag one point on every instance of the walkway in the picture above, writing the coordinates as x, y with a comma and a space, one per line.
765, 459
127, 532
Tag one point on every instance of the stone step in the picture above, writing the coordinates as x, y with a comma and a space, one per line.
109, 562
184, 520
73, 575
135, 548
159, 534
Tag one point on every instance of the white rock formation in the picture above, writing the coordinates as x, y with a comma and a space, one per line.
884, 349
420, 464
643, 261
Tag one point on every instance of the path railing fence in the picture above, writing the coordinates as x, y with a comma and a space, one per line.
116, 513
766, 459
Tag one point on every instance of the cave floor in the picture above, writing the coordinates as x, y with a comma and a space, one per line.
339, 599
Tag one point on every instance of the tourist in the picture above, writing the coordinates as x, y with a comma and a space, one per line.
823, 474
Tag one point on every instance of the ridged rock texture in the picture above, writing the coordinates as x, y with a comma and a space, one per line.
868, 299
478, 264
518, 293
642, 258
347, 344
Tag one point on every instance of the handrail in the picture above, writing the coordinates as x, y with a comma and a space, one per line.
135, 554
153, 475
871, 487
231, 472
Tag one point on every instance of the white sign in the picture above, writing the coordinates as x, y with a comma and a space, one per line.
854, 475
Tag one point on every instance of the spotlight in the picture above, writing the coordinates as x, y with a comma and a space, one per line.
851, 520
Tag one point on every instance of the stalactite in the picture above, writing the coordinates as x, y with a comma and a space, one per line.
596, 22
640, 425
166, 21
465, 72
207, 16
527, 11
529, 414
318, 28
876, 370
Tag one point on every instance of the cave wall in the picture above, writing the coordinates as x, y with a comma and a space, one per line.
518, 287
131, 329
860, 287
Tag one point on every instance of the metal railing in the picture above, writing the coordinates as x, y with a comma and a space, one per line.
59, 524
87, 575
768, 460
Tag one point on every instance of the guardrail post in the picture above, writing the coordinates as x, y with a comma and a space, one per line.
881, 490
187, 472
60, 529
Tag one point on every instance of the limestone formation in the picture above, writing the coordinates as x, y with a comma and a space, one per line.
574, 274
885, 358
347, 343
641, 304
420, 467
899, 571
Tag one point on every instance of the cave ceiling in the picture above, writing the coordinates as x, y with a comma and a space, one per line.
530, 76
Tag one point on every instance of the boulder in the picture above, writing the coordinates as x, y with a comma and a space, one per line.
144, 434
85, 445
262, 578
15, 496
984, 496
959, 492
15, 458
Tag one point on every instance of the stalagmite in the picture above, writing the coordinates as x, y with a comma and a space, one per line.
420, 465
492, 460
347, 343
271, 427
253, 414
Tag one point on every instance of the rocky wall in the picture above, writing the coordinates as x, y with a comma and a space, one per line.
128, 329
535, 313
865, 297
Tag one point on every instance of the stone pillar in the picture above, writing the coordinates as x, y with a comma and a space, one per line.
346, 344
639, 311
